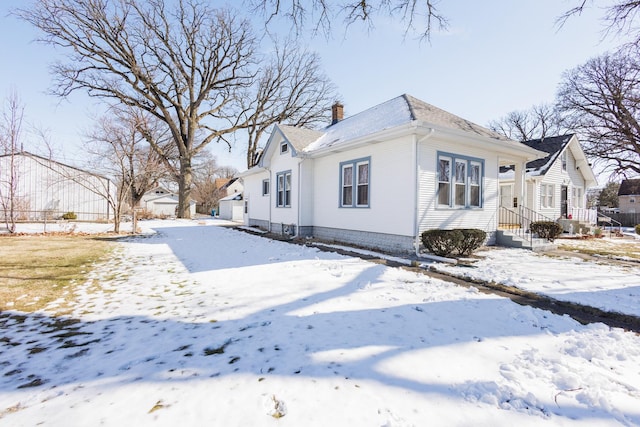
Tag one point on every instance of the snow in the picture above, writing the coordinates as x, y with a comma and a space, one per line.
390, 114
198, 324
602, 285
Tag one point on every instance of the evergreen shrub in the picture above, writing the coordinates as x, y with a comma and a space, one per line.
546, 229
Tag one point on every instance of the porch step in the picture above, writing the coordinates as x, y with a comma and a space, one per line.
508, 239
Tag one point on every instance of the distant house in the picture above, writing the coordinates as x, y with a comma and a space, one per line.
629, 196
557, 184
233, 186
160, 201
381, 177
47, 189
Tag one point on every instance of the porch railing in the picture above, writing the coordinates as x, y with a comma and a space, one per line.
585, 215
609, 222
518, 221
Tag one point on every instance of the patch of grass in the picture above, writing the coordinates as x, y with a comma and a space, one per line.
38, 270
603, 247
209, 351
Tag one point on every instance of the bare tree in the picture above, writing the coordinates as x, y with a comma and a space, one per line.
418, 15
187, 64
620, 16
292, 88
601, 101
206, 173
10, 145
538, 122
119, 149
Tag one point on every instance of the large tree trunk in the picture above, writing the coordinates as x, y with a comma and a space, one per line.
184, 188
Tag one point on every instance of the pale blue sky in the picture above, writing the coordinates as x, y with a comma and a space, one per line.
498, 56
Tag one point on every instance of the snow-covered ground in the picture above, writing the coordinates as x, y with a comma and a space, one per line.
604, 284
203, 325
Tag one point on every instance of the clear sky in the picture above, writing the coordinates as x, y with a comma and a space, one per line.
496, 57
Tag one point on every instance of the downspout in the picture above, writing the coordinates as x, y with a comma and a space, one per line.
270, 193
299, 213
416, 219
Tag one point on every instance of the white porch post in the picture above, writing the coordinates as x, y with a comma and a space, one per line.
520, 187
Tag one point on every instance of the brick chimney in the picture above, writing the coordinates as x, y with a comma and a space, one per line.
337, 113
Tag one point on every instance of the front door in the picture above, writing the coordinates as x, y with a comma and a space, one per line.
506, 196
564, 190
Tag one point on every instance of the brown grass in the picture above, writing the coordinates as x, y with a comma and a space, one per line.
614, 247
37, 270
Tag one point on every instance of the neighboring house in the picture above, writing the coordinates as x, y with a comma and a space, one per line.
629, 196
556, 184
233, 186
381, 177
218, 183
47, 189
232, 207
162, 202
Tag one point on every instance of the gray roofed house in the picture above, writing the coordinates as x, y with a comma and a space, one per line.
380, 177
556, 183
629, 196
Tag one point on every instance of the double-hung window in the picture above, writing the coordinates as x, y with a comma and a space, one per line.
576, 193
459, 181
354, 183
546, 195
283, 191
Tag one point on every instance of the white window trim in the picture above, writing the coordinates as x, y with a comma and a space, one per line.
547, 196
268, 184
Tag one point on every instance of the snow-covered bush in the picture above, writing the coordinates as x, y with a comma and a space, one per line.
546, 229
473, 238
457, 241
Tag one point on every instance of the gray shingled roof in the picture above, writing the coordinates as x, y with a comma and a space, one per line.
395, 112
629, 187
428, 113
552, 145
299, 137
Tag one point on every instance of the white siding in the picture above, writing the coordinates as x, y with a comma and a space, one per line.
431, 216
391, 189
576, 181
43, 185
258, 205
282, 163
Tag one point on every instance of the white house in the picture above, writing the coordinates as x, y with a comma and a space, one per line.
163, 202
557, 184
47, 189
232, 187
381, 177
